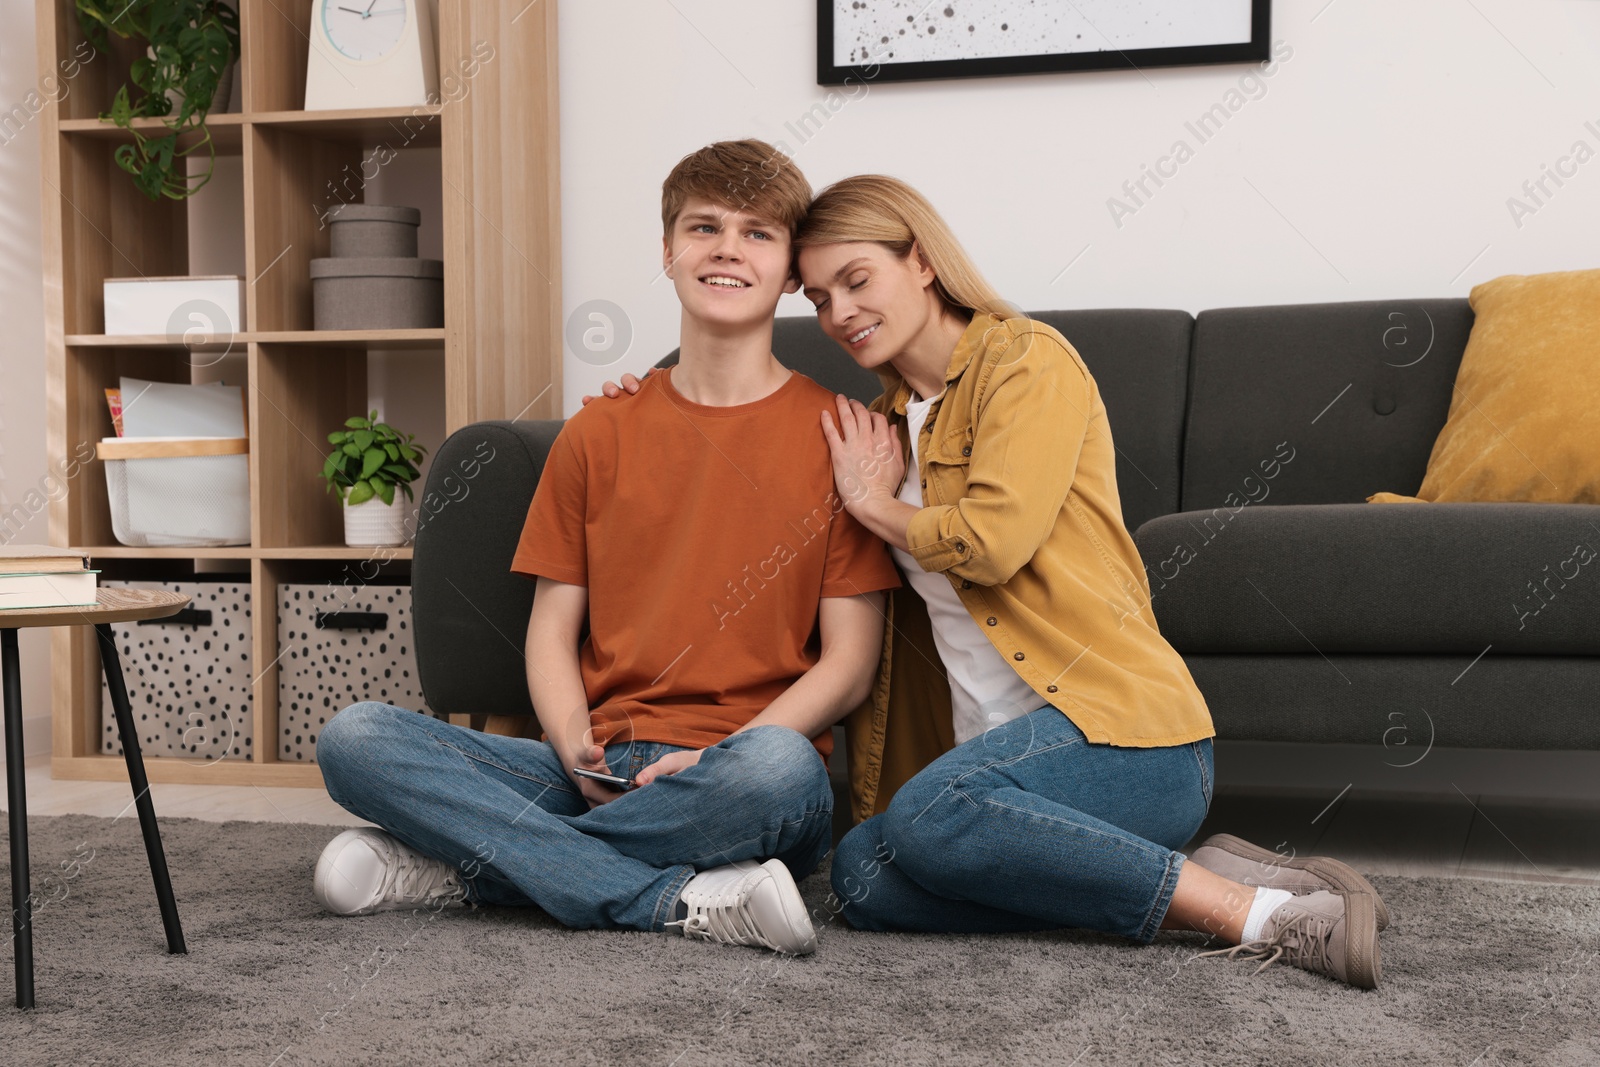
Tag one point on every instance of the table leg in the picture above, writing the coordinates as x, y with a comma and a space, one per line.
17, 797
141, 788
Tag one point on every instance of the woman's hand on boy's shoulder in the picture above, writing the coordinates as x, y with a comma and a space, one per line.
868, 463
629, 382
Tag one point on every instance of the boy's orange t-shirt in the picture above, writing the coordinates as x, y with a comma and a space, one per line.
706, 537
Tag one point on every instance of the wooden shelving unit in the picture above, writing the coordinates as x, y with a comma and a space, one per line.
496, 133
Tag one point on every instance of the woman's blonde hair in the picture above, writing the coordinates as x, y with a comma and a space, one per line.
876, 207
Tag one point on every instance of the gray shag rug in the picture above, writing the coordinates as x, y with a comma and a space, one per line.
1475, 972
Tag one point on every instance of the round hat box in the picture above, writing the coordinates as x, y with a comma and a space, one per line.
373, 231
377, 293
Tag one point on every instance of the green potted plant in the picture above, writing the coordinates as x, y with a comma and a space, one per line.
370, 460
191, 46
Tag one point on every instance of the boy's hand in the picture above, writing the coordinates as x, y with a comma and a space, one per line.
592, 758
629, 382
866, 453
671, 763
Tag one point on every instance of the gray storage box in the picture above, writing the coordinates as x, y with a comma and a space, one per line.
188, 675
377, 294
362, 650
373, 230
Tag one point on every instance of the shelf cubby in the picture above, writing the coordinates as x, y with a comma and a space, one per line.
289, 176
292, 412
107, 229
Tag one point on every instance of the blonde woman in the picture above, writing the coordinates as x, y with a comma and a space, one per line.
1030, 758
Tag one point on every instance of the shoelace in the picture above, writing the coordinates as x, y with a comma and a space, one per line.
726, 918
1308, 948
403, 877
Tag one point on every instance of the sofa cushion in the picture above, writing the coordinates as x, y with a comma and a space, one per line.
1358, 389
1525, 389
1140, 360
1332, 578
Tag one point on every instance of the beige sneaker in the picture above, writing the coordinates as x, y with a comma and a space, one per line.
748, 904
1334, 934
1239, 861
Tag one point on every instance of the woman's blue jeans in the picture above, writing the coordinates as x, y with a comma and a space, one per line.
503, 812
1029, 827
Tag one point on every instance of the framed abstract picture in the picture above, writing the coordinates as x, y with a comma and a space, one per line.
907, 40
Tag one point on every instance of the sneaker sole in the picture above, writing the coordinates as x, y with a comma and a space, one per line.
779, 872
1340, 876
1363, 967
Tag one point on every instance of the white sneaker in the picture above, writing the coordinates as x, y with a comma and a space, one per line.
746, 903
366, 870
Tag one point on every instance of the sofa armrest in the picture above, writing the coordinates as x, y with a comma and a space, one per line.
470, 611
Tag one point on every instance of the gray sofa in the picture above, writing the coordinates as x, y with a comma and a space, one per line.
1247, 442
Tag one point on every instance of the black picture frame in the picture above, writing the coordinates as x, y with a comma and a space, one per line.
1256, 49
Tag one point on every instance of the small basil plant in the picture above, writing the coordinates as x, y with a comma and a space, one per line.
370, 459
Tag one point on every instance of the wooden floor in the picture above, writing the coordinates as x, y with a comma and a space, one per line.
215, 803
1409, 833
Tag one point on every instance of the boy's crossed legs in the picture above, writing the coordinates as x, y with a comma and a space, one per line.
502, 813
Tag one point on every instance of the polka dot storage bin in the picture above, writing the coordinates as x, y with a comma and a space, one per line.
188, 675
339, 645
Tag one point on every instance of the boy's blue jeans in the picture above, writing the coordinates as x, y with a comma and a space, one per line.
1029, 827
503, 811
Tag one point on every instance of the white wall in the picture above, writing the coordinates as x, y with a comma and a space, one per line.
22, 416
1376, 162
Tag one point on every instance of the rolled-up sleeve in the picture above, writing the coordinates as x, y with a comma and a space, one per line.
1027, 438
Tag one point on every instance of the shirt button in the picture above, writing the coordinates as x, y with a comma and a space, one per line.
966, 450
961, 546
991, 620
1050, 688
1017, 655
965, 584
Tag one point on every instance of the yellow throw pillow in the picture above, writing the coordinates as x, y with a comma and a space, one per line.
1523, 416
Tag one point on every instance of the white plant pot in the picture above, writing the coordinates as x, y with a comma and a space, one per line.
374, 523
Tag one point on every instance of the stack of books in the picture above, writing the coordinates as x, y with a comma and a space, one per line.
44, 576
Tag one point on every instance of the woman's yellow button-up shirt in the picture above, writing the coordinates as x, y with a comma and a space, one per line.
1021, 513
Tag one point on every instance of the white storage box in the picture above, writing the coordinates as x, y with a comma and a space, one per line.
175, 307
339, 645
178, 490
188, 675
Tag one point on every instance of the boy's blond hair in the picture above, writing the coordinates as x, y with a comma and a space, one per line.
747, 175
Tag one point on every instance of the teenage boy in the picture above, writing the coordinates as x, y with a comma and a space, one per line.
734, 613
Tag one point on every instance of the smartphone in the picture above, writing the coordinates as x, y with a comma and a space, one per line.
621, 784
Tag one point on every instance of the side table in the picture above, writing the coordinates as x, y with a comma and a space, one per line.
112, 605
